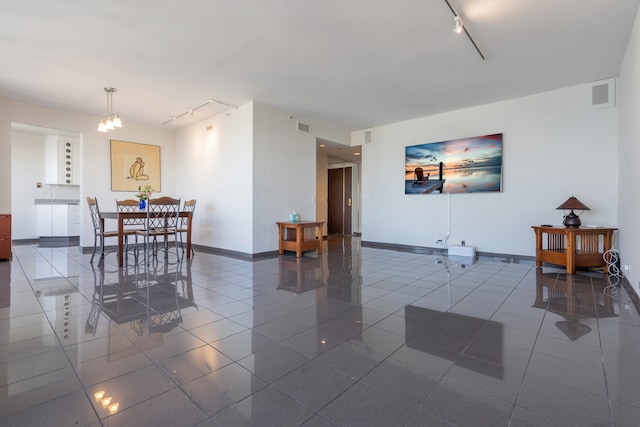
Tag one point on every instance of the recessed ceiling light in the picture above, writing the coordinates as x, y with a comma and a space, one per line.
323, 145
357, 153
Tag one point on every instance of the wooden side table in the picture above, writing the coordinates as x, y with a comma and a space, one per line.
572, 247
291, 237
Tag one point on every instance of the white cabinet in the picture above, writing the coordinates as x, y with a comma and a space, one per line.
61, 155
57, 220
74, 220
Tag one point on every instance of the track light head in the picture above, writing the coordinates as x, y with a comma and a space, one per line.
459, 25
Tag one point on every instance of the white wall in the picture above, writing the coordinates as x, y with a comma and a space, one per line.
250, 170
322, 188
554, 147
95, 154
28, 169
215, 167
284, 180
629, 172
27, 158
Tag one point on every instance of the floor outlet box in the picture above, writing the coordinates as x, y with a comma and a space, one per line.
469, 251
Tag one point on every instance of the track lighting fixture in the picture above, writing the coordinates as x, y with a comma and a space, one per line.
111, 120
191, 110
460, 27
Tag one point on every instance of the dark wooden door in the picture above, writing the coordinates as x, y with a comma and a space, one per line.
340, 201
348, 201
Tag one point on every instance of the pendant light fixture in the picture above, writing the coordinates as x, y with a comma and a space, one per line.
111, 120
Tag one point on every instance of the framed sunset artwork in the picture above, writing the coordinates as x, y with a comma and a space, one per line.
465, 165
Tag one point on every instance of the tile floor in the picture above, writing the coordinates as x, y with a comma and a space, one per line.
359, 336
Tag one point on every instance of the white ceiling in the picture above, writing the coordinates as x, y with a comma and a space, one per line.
359, 63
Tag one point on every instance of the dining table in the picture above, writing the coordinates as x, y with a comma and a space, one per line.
122, 217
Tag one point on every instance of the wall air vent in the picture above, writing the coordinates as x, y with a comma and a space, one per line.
304, 127
603, 94
368, 137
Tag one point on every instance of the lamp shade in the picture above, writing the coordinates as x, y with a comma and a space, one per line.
573, 203
571, 219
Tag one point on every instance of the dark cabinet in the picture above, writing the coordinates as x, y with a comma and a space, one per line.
5, 236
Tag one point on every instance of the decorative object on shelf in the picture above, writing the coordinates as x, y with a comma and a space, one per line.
571, 219
111, 120
143, 194
293, 217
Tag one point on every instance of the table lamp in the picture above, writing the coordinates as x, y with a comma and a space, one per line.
572, 220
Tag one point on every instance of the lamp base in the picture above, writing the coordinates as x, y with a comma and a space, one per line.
572, 220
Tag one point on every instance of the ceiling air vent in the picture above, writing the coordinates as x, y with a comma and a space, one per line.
304, 127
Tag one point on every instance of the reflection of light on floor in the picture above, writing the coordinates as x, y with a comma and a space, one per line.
106, 401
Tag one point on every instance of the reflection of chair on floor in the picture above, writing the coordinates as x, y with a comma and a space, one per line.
419, 177
189, 206
152, 302
98, 228
101, 293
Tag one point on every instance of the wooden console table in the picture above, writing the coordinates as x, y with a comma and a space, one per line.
291, 237
572, 247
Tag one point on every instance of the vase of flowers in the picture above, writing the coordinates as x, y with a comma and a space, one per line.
143, 194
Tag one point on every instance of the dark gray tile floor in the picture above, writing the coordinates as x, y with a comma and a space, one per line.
357, 336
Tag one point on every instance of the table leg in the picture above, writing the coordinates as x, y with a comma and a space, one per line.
538, 248
280, 238
319, 237
120, 241
607, 243
299, 239
188, 249
571, 253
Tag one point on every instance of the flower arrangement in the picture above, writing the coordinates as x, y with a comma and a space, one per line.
145, 192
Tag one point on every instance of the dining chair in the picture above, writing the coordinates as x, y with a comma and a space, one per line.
98, 229
189, 206
162, 221
131, 224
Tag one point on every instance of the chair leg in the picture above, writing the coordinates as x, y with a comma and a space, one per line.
95, 245
101, 250
126, 249
175, 244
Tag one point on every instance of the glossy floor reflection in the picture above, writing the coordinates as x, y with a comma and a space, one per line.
355, 337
